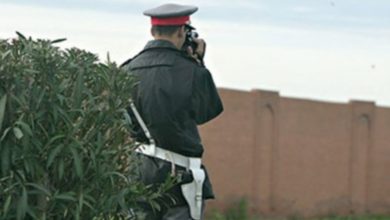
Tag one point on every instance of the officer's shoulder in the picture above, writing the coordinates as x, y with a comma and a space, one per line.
126, 63
183, 57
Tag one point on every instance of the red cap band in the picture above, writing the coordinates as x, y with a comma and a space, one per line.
170, 21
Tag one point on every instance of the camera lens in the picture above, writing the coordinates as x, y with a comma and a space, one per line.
194, 35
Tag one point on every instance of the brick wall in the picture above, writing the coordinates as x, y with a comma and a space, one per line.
299, 157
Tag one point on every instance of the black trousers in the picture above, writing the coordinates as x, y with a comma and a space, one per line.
173, 213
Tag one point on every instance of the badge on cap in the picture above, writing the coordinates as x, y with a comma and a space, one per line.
171, 14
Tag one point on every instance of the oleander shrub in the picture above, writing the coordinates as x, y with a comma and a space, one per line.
65, 151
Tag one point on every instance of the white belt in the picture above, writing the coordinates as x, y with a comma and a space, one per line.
181, 160
192, 191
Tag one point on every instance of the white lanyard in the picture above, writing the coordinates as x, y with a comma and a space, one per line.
141, 122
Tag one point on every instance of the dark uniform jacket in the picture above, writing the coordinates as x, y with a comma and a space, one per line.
174, 94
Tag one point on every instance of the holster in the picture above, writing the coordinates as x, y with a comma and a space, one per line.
192, 191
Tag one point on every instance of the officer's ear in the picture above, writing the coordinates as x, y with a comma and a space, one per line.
181, 31
152, 31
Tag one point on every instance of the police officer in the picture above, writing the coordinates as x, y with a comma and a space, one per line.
175, 93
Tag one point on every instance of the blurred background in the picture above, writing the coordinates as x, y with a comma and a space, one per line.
329, 50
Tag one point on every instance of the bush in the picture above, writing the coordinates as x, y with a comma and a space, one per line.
64, 146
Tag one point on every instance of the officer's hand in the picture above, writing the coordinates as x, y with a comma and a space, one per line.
201, 49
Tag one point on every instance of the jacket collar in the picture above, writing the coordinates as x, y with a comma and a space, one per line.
160, 44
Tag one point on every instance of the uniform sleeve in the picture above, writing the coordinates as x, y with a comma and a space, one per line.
205, 101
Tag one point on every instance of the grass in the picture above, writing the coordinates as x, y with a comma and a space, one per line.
364, 217
239, 211
220, 216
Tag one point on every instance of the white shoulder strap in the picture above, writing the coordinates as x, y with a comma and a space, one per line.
141, 122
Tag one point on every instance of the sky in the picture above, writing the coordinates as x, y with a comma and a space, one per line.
326, 50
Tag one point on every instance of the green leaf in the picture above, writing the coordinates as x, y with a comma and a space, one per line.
5, 163
33, 215
39, 99
76, 214
31, 71
26, 128
7, 205
18, 133
53, 154
155, 205
5, 133
61, 169
77, 162
20, 35
88, 200
58, 40
28, 169
55, 138
4, 55
40, 188
66, 196
22, 205
81, 201
89, 205
3, 102
114, 173
11, 187
78, 88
